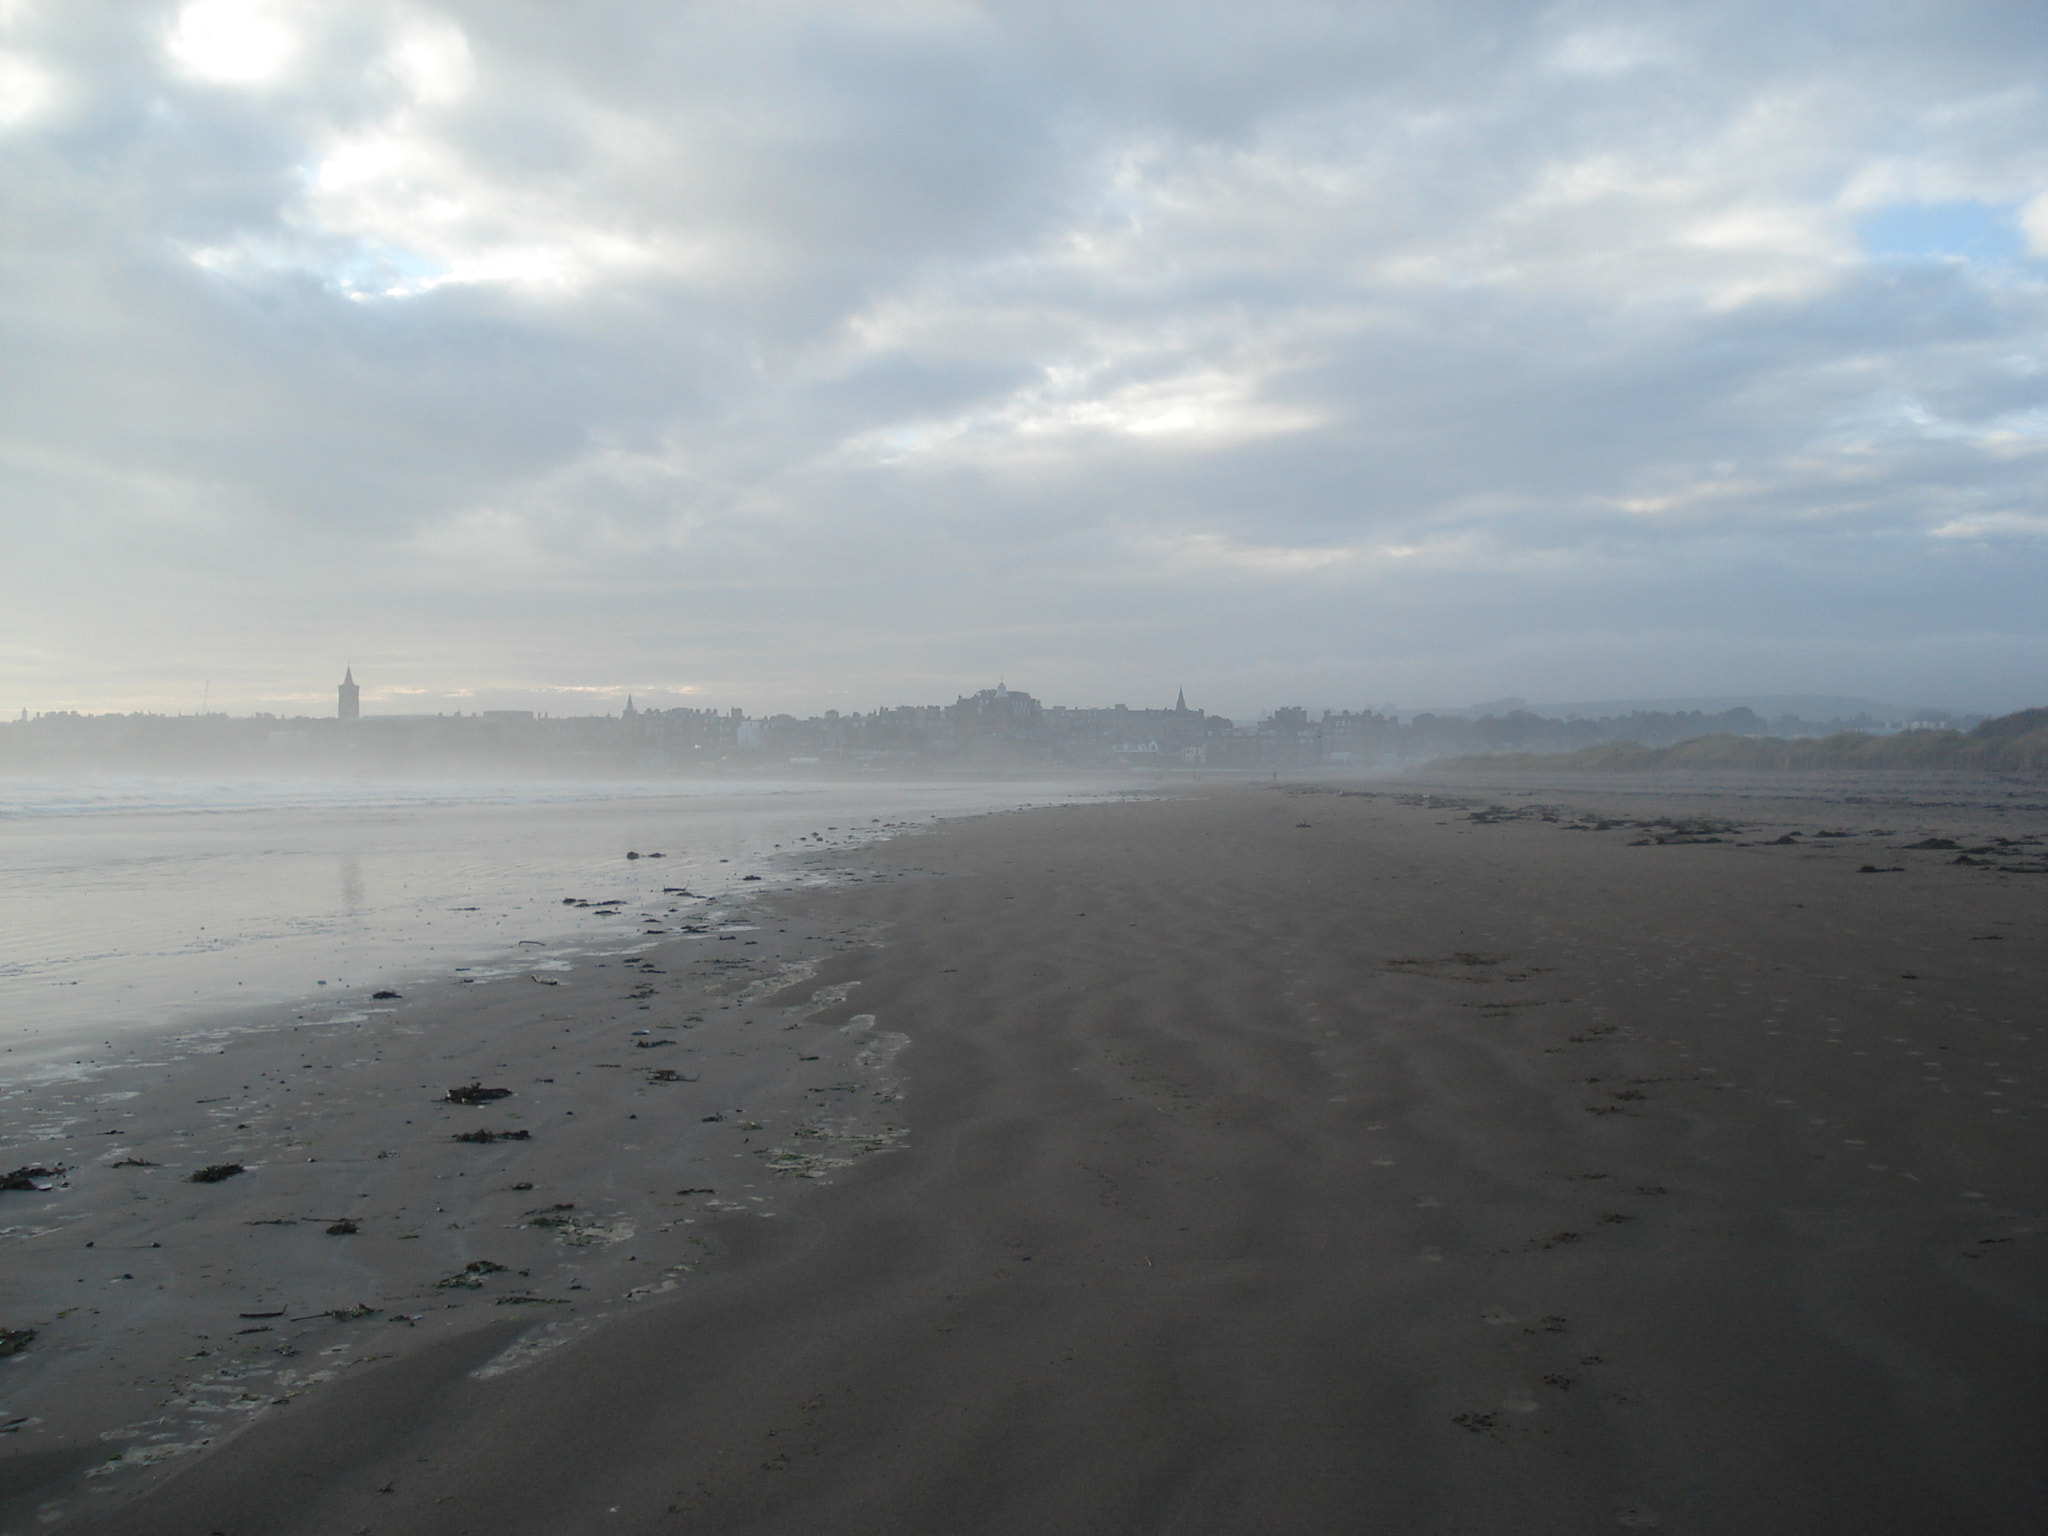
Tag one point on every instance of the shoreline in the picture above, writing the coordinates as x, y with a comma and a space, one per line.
205, 1306
131, 922
1275, 1154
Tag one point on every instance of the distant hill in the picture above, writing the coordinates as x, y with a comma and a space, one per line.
1817, 707
2015, 743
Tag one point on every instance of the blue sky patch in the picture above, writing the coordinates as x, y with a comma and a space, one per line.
1974, 231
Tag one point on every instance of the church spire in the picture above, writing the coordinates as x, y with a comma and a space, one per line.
1180, 704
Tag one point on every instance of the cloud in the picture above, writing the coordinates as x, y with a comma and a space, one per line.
243, 42
799, 352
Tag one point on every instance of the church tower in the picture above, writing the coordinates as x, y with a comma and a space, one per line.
351, 707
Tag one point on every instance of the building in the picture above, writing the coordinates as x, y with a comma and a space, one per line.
351, 705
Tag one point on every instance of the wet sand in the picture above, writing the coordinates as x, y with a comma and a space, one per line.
1276, 1158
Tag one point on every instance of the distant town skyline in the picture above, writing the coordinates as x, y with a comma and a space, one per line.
992, 730
347, 704
593, 700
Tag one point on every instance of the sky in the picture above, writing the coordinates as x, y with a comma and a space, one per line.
798, 356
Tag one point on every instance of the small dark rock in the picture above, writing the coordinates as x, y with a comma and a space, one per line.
475, 1093
384, 996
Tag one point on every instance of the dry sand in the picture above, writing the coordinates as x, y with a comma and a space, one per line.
1277, 1159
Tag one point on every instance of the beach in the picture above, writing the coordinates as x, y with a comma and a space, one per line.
1450, 1155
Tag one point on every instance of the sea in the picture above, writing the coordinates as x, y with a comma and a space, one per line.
132, 904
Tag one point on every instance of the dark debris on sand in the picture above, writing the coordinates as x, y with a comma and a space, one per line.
470, 1277
24, 1177
475, 1093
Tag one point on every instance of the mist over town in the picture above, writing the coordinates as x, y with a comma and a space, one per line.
994, 730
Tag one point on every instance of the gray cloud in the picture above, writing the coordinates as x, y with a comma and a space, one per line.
803, 355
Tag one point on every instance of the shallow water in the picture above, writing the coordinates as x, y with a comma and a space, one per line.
130, 903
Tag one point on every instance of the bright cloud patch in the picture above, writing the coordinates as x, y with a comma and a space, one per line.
24, 90
237, 41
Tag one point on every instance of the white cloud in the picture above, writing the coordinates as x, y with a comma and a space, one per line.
241, 42
25, 90
430, 57
1995, 526
1205, 409
2033, 220
1608, 51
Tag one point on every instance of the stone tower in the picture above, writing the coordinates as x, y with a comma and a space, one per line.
350, 707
